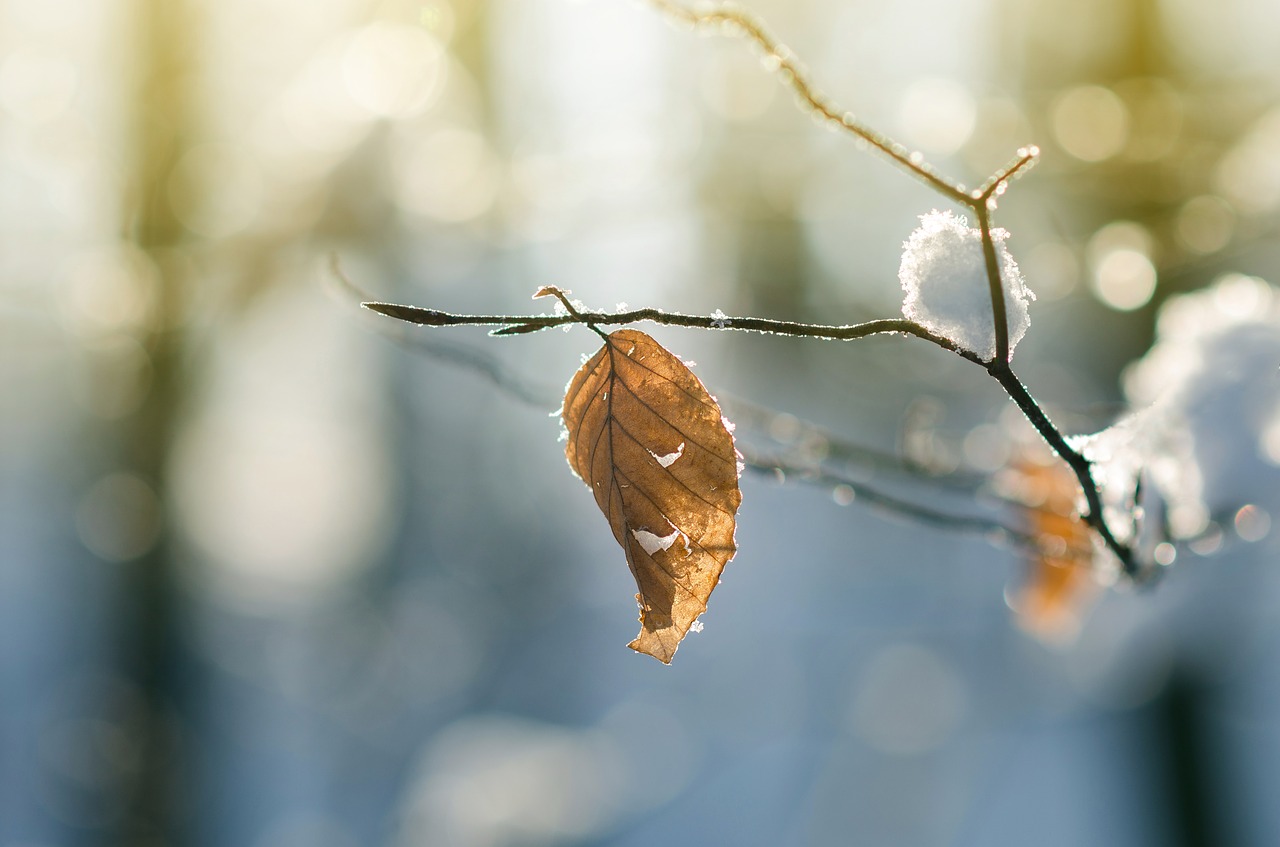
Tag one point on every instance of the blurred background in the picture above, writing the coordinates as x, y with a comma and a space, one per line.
276, 573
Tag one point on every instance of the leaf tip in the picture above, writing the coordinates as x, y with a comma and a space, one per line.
658, 651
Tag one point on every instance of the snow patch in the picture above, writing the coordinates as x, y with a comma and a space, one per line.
1145, 469
652, 543
669, 459
1214, 392
944, 278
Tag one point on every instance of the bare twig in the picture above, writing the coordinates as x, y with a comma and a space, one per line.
998, 368
996, 184
522, 324
982, 201
999, 313
1074, 459
779, 59
516, 387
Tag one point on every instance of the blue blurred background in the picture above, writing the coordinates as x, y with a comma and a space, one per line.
274, 573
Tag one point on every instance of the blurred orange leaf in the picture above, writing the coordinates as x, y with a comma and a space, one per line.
653, 446
1059, 585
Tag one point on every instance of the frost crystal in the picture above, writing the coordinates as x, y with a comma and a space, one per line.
719, 319
944, 276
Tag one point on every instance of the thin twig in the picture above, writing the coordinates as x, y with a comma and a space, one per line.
782, 61
980, 201
1074, 459
570, 307
996, 184
522, 324
998, 368
494, 370
999, 312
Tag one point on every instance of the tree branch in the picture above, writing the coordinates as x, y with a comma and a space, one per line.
998, 367
999, 312
1024, 160
780, 60
1081, 466
523, 324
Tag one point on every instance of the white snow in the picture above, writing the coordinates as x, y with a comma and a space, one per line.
944, 277
696, 626
1212, 382
1145, 469
669, 459
653, 543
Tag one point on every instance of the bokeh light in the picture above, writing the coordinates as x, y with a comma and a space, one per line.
937, 115
1091, 123
1124, 276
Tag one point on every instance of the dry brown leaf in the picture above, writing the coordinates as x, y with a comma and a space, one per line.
1059, 585
652, 445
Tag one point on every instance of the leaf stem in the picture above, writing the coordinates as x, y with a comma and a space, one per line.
572, 309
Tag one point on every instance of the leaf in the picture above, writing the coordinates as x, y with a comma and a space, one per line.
1059, 584
652, 445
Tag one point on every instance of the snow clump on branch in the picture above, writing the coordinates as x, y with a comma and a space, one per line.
1205, 439
944, 275
1213, 376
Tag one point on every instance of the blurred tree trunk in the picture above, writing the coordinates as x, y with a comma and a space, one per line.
159, 130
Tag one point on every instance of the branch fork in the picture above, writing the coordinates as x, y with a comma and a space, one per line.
981, 201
